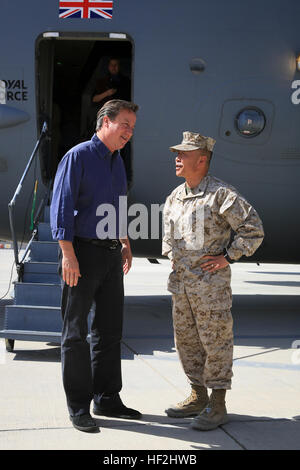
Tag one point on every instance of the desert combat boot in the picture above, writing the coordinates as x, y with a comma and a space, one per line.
192, 405
214, 414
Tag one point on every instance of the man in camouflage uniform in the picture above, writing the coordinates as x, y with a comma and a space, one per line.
200, 216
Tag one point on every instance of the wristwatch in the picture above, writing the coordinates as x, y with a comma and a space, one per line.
227, 257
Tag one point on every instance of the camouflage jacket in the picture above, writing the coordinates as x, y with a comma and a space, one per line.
201, 223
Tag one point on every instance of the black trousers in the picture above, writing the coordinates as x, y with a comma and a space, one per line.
92, 371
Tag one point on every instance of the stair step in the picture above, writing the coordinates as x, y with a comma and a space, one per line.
44, 251
41, 272
27, 335
44, 232
27, 293
32, 318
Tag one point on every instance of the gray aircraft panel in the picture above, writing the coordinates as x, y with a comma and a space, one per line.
249, 56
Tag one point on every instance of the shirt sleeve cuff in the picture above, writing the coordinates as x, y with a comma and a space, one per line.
234, 255
62, 234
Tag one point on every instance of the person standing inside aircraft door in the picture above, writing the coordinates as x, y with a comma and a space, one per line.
115, 85
199, 216
89, 175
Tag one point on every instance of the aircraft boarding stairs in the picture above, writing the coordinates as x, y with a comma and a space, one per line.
35, 314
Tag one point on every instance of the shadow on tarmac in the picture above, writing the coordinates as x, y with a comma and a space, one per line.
236, 429
266, 321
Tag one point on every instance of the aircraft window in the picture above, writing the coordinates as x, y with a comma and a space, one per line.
197, 66
250, 122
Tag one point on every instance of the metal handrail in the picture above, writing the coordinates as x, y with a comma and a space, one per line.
11, 205
36, 219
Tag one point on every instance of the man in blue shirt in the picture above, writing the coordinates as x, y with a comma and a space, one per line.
92, 263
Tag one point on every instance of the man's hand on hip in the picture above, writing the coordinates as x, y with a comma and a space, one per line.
214, 263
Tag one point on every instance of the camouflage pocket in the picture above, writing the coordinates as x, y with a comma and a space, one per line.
210, 296
218, 298
175, 286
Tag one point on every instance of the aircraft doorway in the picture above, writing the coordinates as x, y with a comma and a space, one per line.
72, 72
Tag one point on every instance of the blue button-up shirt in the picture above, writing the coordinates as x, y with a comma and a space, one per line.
88, 176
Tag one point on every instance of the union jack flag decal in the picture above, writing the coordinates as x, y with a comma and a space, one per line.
85, 9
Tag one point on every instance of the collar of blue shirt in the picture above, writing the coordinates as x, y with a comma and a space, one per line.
101, 148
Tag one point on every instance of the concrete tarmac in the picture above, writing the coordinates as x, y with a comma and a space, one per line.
263, 405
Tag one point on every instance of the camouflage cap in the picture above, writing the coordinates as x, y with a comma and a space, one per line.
194, 141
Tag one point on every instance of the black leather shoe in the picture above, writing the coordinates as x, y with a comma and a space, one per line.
84, 423
117, 411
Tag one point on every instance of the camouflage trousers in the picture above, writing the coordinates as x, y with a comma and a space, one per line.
204, 341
